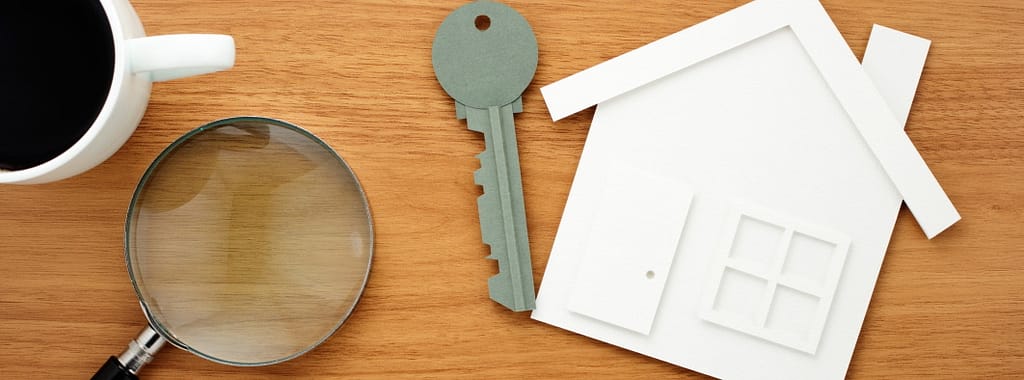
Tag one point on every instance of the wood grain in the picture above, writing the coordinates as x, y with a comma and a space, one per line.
358, 74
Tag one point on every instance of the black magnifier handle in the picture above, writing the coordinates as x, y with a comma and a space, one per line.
140, 352
114, 370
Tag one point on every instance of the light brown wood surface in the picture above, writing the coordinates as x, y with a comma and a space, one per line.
358, 74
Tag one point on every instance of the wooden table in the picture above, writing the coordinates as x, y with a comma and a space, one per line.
358, 74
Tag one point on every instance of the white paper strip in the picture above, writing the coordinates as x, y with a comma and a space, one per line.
823, 43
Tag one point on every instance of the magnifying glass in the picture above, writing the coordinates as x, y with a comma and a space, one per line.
248, 242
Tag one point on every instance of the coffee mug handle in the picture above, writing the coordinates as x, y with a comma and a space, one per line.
181, 55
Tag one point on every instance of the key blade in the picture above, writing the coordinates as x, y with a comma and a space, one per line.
500, 288
501, 208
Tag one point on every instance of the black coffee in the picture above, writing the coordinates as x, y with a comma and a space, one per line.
56, 65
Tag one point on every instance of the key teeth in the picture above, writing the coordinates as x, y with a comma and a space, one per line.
482, 177
497, 290
489, 239
505, 297
497, 280
490, 248
502, 285
478, 174
482, 157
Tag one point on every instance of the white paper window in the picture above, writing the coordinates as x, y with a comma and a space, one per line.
774, 278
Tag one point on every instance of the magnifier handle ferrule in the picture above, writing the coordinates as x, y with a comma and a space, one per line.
140, 352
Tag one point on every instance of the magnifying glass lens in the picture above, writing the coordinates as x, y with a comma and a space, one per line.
248, 242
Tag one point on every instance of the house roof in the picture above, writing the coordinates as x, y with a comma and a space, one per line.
854, 90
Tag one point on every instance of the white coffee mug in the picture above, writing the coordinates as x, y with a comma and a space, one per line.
138, 62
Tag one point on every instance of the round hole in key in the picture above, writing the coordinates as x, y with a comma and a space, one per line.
650, 275
482, 22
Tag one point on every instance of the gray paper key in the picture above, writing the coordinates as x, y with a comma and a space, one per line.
485, 55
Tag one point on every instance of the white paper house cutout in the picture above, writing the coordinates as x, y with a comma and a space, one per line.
737, 191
